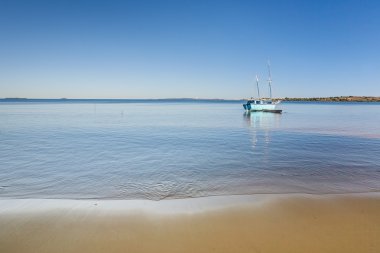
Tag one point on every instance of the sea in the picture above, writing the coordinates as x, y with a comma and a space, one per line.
169, 149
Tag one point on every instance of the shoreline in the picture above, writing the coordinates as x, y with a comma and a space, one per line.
180, 205
244, 223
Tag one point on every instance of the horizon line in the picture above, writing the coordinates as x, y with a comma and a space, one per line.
179, 98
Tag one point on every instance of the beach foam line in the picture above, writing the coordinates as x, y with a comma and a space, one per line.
166, 206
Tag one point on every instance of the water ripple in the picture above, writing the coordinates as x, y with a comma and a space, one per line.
182, 150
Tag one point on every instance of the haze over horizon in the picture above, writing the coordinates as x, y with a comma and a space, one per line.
189, 49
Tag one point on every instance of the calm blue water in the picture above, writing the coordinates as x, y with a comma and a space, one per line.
157, 150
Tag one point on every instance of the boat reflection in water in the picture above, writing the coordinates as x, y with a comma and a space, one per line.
261, 125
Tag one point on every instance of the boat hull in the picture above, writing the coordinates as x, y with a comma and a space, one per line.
262, 106
273, 111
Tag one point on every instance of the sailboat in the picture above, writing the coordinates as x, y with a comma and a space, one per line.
262, 104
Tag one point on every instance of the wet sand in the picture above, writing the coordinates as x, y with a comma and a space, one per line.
262, 223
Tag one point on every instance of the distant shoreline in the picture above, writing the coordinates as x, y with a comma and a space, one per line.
337, 99
311, 99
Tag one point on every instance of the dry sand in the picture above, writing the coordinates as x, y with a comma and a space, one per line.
265, 223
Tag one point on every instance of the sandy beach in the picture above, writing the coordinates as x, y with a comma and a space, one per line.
258, 223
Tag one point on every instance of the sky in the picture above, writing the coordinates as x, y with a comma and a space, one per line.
182, 49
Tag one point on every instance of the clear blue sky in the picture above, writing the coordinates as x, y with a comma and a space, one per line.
204, 49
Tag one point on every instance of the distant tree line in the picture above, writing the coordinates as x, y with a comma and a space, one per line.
337, 99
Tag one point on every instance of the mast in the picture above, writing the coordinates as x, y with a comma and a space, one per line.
270, 81
257, 85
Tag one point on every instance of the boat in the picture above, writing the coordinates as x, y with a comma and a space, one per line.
263, 104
